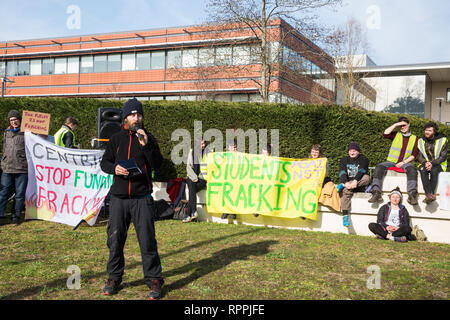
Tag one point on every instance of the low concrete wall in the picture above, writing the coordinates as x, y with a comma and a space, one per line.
430, 218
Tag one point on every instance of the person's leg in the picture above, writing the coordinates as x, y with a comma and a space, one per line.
6, 183
378, 229
403, 231
363, 183
434, 178
377, 183
21, 180
425, 178
192, 186
117, 230
411, 185
143, 213
346, 205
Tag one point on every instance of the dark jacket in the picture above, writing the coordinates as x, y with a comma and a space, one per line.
14, 158
124, 145
351, 169
429, 147
384, 211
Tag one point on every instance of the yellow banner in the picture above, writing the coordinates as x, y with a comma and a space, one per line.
241, 183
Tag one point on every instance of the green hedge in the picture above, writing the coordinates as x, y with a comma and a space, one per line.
334, 127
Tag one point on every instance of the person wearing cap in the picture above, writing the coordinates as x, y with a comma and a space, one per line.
432, 159
353, 174
14, 166
131, 199
393, 222
65, 137
196, 177
401, 154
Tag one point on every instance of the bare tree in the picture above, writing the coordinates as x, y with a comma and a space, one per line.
349, 46
256, 18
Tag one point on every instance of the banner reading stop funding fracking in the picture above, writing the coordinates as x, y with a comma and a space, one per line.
241, 183
64, 185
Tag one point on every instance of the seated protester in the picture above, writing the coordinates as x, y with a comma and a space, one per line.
402, 152
196, 177
353, 173
432, 157
392, 219
231, 147
316, 152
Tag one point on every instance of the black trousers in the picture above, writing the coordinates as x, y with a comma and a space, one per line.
141, 212
430, 178
194, 187
378, 229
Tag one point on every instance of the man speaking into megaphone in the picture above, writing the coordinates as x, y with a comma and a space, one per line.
131, 154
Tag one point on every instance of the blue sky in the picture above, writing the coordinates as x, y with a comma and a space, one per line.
399, 31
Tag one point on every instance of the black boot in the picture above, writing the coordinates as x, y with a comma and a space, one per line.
412, 197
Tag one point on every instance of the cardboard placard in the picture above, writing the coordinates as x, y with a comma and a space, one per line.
36, 122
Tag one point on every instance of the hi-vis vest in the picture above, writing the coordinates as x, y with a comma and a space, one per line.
438, 145
396, 147
60, 134
203, 164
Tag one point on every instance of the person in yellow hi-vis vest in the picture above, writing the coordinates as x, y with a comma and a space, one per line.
432, 159
401, 154
196, 176
65, 137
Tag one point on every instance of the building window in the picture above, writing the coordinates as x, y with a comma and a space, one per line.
190, 58
11, 68
87, 64
158, 59
73, 64
206, 57
224, 56
2, 68
23, 68
48, 66
60, 65
448, 95
114, 62
143, 61
36, 67
100, 63
128, 61
174, 59
241, 55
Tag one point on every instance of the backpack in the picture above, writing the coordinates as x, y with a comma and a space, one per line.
163, 210
181, 210
418, 234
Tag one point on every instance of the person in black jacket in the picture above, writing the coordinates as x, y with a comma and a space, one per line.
131, 198
353, 174
392, 220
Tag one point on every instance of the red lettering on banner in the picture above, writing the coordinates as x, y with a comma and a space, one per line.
65, 204
51, 195
41, 176
84, 205
73, 202
40, 196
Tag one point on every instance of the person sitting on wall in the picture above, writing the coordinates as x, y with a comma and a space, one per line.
65, 137
353, 174
402, 152
196, 177
392, 220
432, 158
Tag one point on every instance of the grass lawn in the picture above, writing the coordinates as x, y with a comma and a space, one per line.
219, 261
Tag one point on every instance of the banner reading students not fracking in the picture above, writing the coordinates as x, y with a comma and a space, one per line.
64, 185
241, 183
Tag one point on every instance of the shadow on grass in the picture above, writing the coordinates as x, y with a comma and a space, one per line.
60, 284
216, 262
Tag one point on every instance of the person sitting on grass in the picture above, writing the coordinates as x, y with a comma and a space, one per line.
392, 220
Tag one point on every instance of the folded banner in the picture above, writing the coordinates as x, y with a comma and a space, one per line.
64, 185
241, 183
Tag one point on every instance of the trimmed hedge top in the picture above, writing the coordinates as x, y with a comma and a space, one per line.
300, 126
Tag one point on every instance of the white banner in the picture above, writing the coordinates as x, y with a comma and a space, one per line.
444, 190
64, 185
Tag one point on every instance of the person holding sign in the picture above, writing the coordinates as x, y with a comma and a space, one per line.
353, 174
15, 167
130, 156
231, 147
196, 177
65, 137
432, 158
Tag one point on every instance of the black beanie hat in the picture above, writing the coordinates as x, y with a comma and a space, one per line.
132, 106
15, 114
354, 146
